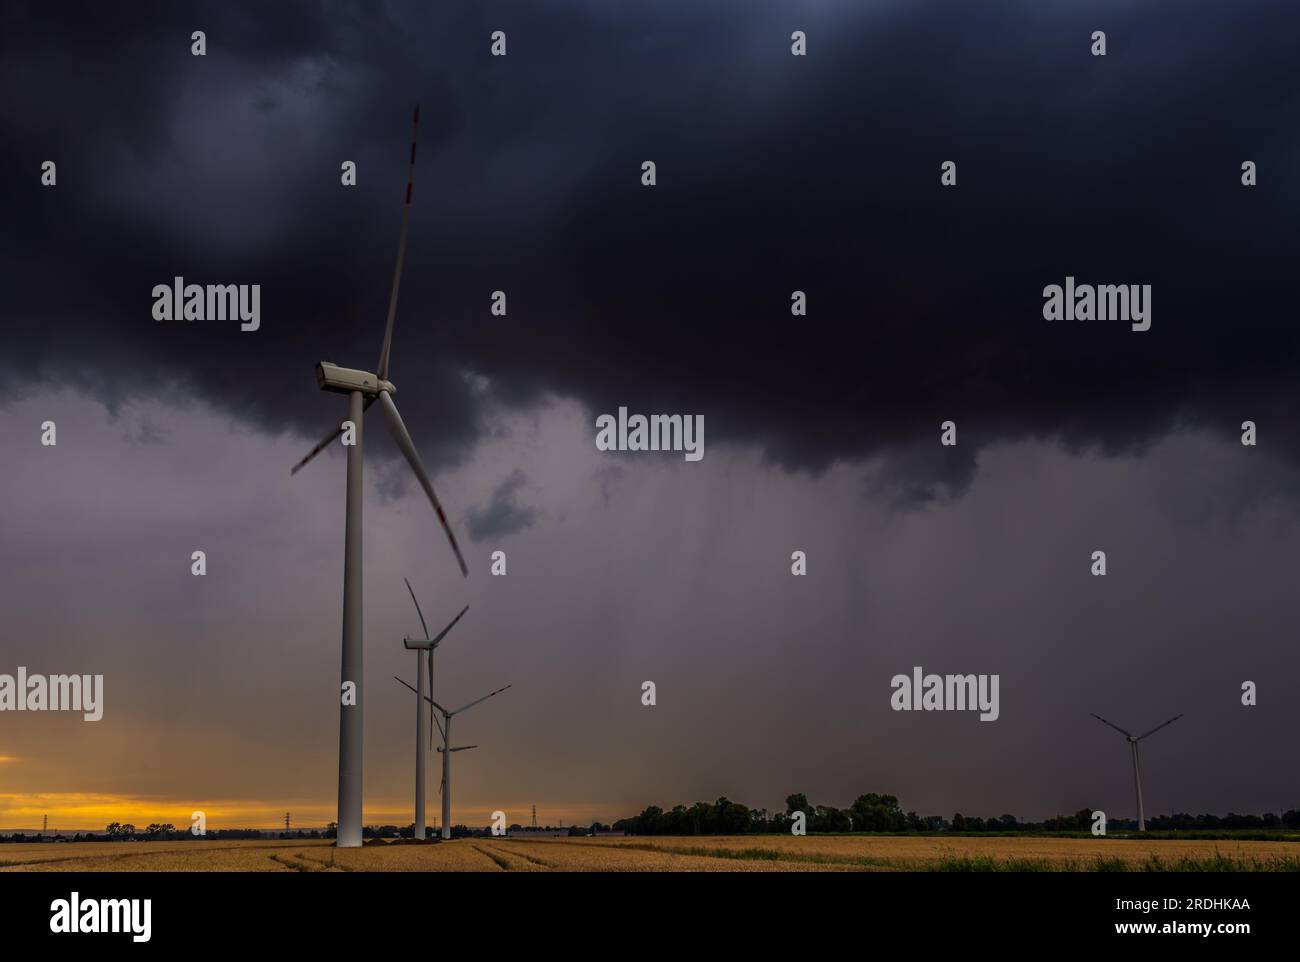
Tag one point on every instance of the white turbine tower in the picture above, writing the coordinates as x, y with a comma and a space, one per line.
447, 749
423, 672
362, 389
1133, 743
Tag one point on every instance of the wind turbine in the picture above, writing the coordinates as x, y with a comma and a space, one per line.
362, 389
447, 749
1133, 743
427, 646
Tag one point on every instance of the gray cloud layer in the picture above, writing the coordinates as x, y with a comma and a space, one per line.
776, 173
503, 514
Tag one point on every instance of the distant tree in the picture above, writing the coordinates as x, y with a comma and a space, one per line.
958, 823
647, 823
877, 813
831, 819
730, 818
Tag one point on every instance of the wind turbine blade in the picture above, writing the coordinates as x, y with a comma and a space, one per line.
442, 734
400, 682
1162, 725
432, 716
430, 700
464, 748
477, 700
417, 608
326, 442
401, 255
1111, 724
407, 446
443, 634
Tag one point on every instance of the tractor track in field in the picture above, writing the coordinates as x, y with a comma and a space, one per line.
531, 858
289, 864
494, 856
330, 866
204, 847
509, 860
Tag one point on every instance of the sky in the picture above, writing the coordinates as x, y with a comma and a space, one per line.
774, 173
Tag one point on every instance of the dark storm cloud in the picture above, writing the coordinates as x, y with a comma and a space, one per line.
503, 514
775, 173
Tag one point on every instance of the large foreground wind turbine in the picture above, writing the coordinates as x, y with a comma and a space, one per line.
1133, 743
362, 389
427, 646
447, 750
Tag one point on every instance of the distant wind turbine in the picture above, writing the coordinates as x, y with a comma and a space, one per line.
423, 672
447, 749
1133, 743
363, 389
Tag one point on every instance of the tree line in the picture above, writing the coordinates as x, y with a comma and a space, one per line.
883, 813
868, 813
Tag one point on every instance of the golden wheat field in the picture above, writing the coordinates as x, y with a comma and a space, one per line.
761, 853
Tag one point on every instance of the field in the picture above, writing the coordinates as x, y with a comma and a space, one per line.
754, 853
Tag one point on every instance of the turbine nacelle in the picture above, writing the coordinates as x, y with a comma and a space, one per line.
345, 380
